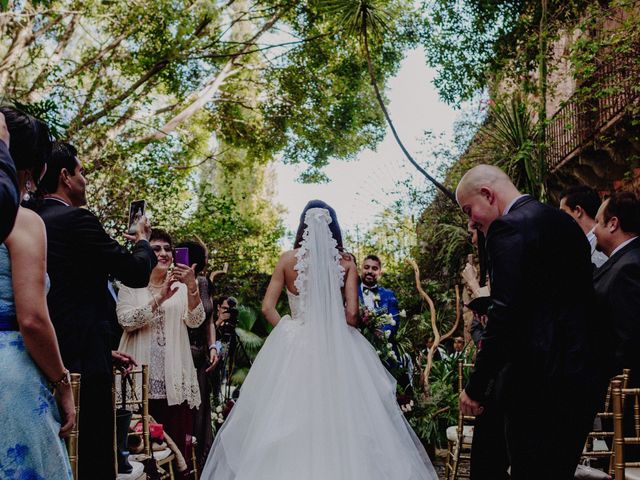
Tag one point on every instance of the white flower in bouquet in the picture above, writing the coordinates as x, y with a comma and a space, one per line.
411, 403
387, 318
403, 313
387, 333
219, 409
389, 345
392, 322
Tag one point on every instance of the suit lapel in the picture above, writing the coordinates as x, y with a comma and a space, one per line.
606, 266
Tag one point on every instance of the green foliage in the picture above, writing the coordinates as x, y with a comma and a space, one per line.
474, 43
509, 140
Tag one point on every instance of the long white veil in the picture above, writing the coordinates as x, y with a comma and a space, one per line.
317, 403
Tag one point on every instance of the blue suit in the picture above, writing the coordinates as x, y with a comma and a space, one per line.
389, 303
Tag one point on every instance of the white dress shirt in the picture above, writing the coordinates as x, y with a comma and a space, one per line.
597, 257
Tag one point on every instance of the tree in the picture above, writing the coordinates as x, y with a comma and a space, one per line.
366, 18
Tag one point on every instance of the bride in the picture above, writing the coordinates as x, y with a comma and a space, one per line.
317, 403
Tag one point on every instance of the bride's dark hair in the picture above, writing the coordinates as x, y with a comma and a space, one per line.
334, 226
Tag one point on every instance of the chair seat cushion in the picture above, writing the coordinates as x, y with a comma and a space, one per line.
587, 473
467, 434
632, 473
162, 454
138, 470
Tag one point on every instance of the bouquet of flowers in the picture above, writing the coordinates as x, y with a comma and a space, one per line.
372, 323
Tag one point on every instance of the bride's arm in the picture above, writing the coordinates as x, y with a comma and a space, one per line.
274, 290
351, 294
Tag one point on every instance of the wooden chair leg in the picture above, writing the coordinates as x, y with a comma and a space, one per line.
450, 455
456, 461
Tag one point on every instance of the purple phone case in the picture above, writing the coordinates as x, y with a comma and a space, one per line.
182, 256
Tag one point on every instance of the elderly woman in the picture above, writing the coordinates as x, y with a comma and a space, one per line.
155, 321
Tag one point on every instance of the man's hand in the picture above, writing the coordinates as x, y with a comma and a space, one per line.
4, 131
468, 406
123, 361
143, 230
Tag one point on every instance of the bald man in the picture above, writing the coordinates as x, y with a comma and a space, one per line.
539, 346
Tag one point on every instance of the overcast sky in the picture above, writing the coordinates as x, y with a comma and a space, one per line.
361, 188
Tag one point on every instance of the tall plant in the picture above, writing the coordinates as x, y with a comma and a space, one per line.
510, 140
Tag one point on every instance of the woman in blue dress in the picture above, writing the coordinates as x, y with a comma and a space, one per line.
35, 394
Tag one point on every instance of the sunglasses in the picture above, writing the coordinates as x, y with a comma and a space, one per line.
159, 248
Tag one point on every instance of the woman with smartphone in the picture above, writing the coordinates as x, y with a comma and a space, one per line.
155, 321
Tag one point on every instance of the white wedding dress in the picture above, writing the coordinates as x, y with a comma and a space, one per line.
317, 403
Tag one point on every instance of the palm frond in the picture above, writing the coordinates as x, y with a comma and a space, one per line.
246, 318
239, 375
249, 340
357, 16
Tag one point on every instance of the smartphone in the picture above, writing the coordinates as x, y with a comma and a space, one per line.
182, 256
136, 210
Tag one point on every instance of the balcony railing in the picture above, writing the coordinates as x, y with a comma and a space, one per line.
614, 85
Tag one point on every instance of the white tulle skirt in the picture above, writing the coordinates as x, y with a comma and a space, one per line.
317, 408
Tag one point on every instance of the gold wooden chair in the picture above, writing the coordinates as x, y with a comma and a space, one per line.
72, 440
598, 444
193, 472
625, 470
460, 436
136, 400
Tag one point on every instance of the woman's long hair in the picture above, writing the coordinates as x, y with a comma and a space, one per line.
334, 226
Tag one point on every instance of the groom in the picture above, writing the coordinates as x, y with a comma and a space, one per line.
375, 298
378, 299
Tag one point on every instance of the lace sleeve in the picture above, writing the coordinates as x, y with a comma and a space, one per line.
131, 315
195, 317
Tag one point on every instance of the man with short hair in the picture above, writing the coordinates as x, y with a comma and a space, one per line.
373, 296
540, 342
582, 203
80, 258
617, 282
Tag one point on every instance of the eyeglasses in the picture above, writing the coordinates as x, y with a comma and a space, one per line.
159, 248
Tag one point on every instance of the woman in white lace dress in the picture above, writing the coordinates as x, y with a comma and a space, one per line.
155, 321
317, 403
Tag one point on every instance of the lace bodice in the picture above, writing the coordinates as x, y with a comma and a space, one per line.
295, 305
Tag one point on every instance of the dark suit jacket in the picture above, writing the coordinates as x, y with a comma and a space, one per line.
541, 328
617, 285
9, 192
80, 257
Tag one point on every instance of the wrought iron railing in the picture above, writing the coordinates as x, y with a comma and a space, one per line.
614, 85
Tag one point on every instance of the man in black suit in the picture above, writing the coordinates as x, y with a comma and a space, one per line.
539, 345
81, 255
617, 282
9, 192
